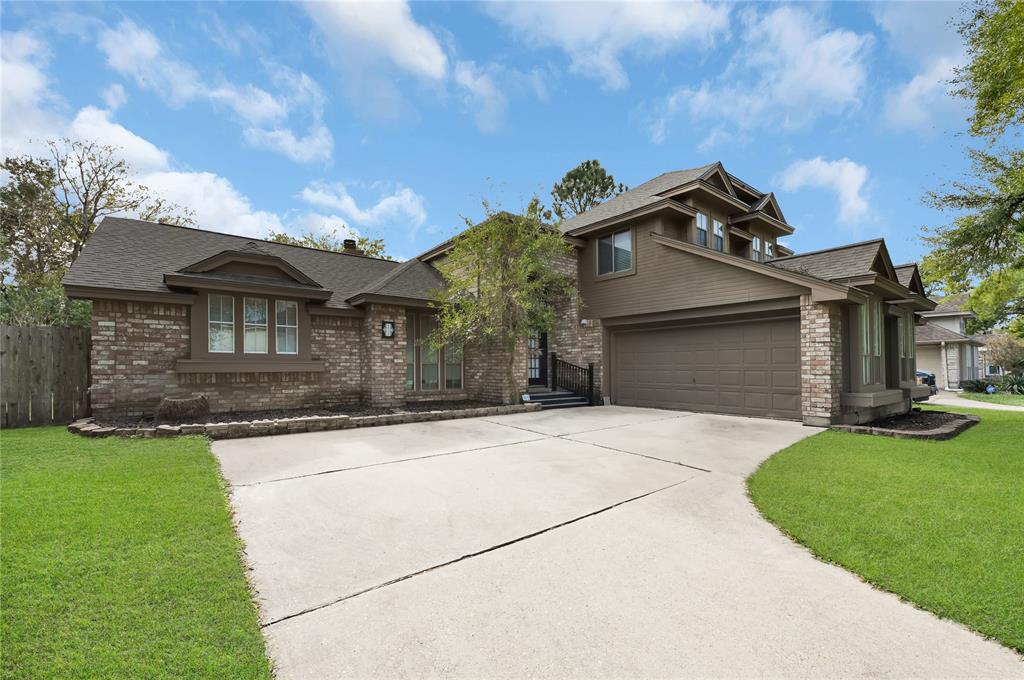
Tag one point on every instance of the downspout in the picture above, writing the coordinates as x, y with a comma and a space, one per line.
945, 366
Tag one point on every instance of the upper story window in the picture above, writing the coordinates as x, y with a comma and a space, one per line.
755, 249
718, 236
221, 324
615, 253
287, 326
702, 229
255, 325
769, 250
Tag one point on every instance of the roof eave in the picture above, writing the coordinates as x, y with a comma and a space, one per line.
664, 204
197, 281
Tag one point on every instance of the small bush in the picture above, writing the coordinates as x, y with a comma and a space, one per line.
975, 385
1012, 384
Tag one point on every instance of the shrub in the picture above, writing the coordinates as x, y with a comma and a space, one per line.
1012, 384
975, 385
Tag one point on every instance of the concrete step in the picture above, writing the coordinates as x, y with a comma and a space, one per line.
575, 403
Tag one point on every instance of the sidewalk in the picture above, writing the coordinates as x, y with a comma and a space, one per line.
944, 398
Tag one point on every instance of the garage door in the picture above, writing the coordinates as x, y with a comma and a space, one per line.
745, 368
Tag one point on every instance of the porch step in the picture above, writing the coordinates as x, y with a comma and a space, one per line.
557, 399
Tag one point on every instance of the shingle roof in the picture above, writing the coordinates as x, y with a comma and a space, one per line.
928, 333
835, 263
411, 279
134, 255
637, 197
952, 304
905, 274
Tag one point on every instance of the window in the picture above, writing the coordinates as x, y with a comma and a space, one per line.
452, 367
906, 332
871, 341
429, 368
221, 336
755, 249
255, 325
287, 325
718, 236
769, 250
702, 229
615, 253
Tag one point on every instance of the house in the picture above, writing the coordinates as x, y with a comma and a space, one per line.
686, 299
987, 368
943, 346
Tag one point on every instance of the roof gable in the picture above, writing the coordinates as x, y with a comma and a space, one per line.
252, 254
909, 277
882, 263
716, 176
770, 206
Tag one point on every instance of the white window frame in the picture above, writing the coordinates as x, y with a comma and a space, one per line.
256, 326
278, 325
755, 249
717, 236
702, 228
769, 250
210, 323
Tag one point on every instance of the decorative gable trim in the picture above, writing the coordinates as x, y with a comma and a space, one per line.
249, 256
717, 172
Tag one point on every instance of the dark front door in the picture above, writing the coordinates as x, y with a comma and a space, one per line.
537, 359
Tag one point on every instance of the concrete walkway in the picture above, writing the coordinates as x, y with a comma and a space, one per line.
601, 542
944, 398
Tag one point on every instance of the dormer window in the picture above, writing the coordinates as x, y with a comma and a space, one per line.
755, 249
769, 250
702, 229
718, 236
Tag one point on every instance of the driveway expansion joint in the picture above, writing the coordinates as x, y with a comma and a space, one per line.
469, 556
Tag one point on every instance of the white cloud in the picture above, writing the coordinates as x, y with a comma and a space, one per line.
218, 205
114, 96
136, 52
400, 205
482, 95
96, 125
844, 177
789, 69
363, 31
25, 96
595, 36
921, 32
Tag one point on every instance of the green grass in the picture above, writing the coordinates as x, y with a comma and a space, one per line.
939, 523
997, 398
119, 560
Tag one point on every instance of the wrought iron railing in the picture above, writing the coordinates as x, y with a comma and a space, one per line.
576, 379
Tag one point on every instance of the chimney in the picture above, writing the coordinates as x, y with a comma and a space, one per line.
349, 246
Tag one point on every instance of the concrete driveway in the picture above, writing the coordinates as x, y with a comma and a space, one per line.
600, 542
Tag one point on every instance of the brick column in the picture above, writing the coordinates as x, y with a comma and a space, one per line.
383, 371
821, 363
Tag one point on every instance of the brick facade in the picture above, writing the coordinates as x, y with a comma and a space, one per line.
821, 362
576, 338
484, 369
383, 366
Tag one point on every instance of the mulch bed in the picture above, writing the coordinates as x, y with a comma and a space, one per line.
280, 414
916, 420
916, 424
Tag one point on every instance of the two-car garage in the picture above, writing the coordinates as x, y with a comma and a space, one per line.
749, 367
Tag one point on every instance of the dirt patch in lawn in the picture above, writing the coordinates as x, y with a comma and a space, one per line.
916, 425
280, 414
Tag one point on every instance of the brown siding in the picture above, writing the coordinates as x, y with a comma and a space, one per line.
667, 279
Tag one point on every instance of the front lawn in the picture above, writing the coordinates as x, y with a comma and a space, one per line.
938, 523
119, 560
997, 398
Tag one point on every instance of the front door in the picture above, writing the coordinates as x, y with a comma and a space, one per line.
537, 359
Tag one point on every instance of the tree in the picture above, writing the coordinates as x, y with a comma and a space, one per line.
501, 276
93, 181
1006, 351
332, 241
983, 246
583, 187
993, 77
48, 209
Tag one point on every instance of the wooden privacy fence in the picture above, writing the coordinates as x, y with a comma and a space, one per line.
44, 375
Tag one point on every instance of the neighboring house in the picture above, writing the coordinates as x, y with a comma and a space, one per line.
988, 369
943, 346
686, 300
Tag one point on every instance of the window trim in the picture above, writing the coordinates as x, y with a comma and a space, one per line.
210, 322
632, 255
277, 345
698, 230
755, 249
717, 236
769, 250
265, 325
411, 336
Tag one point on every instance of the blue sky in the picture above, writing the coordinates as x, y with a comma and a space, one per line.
398, 119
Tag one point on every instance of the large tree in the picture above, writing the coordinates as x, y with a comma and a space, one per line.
501, 277
983, 246
583, 187
49, 206
330, 240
